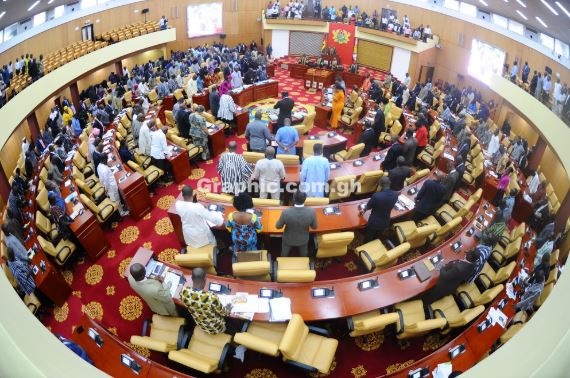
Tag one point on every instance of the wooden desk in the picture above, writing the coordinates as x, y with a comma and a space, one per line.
216, 143
331, 144
297, 71
256, 92
242, 97
108, 357
351, 79
523, 209
318, 79
347, 300
203, 99
270, 69
322, 116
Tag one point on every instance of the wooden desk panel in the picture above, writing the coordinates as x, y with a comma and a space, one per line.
266, 90
322, 116
297, 71
242, 119
203, 99
270, 69
136, 195
180, 165
50, 281
216, 142
351, 79
243, 97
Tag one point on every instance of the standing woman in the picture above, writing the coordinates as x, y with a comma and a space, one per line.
243, 225
502, 186
337, 105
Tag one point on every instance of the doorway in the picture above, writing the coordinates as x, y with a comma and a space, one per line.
426, 73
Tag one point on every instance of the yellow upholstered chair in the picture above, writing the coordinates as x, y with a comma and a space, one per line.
447, 309
102, 211
294, 269
370, 322
503, 254
515, 326
261, 337
91, 181
489, 277
142, 160
444, 231
32, 302
350, 154
44, 174
416, 176
222, 198
430, 159
96, 192
204, 257
61, 252
166, 334
470, 177
257, 270
153, 98
42, 200
192, 149
308, 145
301, 346
342, 187
260, 202
334, 244
409, 232
544, 295
368, 182
316, 201
170, 118
288, 159
45, 226
430, 149
470, 295
374, 255
412, 320
352, 119
205, 352
307, 125
80, 163
446, 212
252, 157
457, 201
150, 174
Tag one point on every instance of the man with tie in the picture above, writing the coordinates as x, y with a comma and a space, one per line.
285, 106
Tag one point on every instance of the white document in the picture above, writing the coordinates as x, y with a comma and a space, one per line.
442, 370
408, 203
510, 291
448, 156
244, 302
174, 279
279, 309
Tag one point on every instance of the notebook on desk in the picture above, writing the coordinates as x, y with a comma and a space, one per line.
422, 272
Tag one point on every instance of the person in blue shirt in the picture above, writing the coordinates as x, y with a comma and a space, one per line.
315, 172
53, 191
76, 125
287, 137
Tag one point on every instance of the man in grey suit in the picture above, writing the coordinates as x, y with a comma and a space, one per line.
297, 220
154, 292
257, 134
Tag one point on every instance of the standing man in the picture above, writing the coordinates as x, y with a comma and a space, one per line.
214, 99
285, 106
159, 151
195, 218
269, 172
368, 137
399, 174
315, 172
182, 119
381, 203
297, 220
286, 138
234, 171
109, 182
429, 198
144, 137
204, 306
379, 125
152, 290
450, 181
257, 134
409, 147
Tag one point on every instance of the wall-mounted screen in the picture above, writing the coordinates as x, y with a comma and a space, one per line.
204, 19
485, 61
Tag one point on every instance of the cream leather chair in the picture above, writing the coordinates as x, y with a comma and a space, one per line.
446, 308
261, 337
42, 201
60, 253
150, 174
334, 244
252, 157
102, 211
204, 257
80, 163
45, 226
370, 322
222, 198
409, 232
515, 326
457, 201
308, 145
206, 353
375, 256
341, 187
470, 295
446, 212
32, 303
444, 231
307, 125
96, 193
261, 202
503, 254
489, 277
430, 159
470, 177
350, 154
316, 201
260, 270
368, 182
288, 159
544, 295
352, 119
166, 333
302, 347
192, 149
416, 176
394, 130
294, 269
413, 322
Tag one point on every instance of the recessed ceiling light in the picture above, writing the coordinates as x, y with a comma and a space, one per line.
2, 14
521, 3
549, 7
521, 14
484, 2
50, 1
563, 9
541, 22
33, 5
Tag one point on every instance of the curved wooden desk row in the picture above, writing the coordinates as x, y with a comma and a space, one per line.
347, 300
109, 355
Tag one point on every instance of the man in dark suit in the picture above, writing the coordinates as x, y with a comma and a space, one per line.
379, 122
381, 204
297, 220
450, 182
285, 107
460, 168
451, 275
396, 150
409, 147
399, 174
214, 99
183, 121
368, 138
429, 198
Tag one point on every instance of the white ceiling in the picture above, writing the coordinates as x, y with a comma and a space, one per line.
17, 10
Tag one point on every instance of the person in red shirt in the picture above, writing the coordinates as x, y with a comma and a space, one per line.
421, 136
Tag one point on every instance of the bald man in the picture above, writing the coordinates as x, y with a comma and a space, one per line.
269, 172
153, 290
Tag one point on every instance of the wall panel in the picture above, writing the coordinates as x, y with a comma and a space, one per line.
374, 55
555, 173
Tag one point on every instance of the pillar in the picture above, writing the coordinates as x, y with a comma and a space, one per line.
33, 125
75, 95
4, 185
119, 68
537, 154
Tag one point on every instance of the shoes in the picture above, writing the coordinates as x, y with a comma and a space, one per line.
124, 213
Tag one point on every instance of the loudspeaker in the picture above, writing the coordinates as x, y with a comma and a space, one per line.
144, 11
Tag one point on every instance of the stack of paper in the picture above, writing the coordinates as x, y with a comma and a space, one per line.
279, 309
174, 279
497, 316
406, 202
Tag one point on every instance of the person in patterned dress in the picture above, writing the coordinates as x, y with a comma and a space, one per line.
199, 132
204, 306
243, 225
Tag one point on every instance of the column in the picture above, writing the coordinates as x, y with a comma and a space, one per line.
75, 95
563, 213
537, 154
4, 185
119, 68
33, 125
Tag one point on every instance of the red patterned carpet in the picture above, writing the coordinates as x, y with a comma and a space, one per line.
101, 290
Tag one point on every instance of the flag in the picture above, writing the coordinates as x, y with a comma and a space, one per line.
342, 38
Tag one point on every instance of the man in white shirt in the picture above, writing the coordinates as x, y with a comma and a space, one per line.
406, 80
494, 143
192, 86
269, 172
196, 220
109, 182
153, 291
144, 137
557, 98
159, 151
